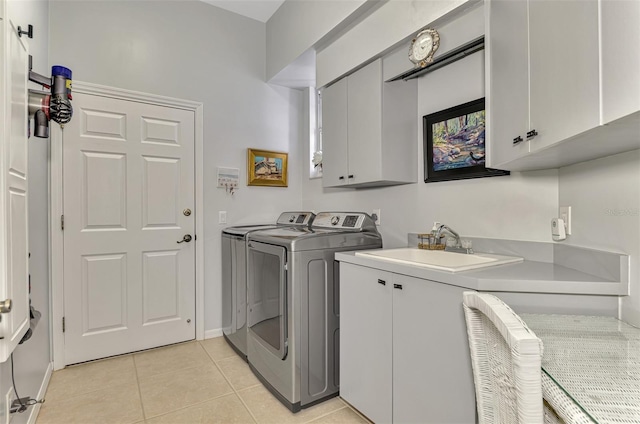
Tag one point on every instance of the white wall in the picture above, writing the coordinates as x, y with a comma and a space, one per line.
377, 33
299, 24
517, 207
604, 196
191, 50
32, 358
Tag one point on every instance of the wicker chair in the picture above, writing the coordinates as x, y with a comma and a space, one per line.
506, 357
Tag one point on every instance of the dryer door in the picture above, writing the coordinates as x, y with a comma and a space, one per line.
267, 286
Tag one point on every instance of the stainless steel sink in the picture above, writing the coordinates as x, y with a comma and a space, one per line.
440, 260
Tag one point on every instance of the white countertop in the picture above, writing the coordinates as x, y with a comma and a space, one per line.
527, 277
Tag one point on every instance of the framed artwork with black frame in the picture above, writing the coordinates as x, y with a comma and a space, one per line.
454, 144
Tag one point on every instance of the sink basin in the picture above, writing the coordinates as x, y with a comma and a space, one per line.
439, 259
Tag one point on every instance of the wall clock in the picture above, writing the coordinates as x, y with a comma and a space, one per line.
423, 47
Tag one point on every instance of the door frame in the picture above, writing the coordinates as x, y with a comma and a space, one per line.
56, 236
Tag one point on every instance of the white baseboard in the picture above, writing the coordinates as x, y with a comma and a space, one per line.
210, 334
33, 415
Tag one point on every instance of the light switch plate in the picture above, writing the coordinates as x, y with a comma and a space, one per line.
222, 217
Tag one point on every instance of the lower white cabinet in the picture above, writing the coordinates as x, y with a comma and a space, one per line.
404, 354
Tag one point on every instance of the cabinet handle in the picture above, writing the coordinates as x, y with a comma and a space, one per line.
384, 283
351, 176
517, 140
341, 177
397, 286
532, 134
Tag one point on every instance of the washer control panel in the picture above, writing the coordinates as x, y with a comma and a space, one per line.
340, 220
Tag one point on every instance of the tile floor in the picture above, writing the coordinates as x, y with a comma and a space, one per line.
190, 383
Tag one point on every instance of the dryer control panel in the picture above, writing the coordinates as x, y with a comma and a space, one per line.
295, 218
356, 221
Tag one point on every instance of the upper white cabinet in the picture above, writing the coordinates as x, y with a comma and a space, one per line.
369, 130
507, 80
14, 273
620, 59
334, 134
550, 90
563, 63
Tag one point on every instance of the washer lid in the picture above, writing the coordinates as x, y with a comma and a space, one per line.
243, 230
285, 218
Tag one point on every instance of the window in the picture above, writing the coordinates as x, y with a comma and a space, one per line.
315, 133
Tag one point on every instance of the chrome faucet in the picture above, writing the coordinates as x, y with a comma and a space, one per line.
439, 228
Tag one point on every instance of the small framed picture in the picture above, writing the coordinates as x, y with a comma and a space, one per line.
454, 144
266, 168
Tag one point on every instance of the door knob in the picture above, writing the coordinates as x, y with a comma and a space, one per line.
5, 306
186, 239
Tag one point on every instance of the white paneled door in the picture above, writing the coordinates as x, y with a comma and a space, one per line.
128, 200
14, 237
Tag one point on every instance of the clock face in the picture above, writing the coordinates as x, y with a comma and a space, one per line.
424, 46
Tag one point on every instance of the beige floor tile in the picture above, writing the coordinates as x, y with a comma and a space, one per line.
170, 358
238, 372
267, 409
341, 416
218, 348
168, 392
116, 404
84, 378
227, 409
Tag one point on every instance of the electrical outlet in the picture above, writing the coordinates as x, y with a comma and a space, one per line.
565, 214
376, 216
222, 217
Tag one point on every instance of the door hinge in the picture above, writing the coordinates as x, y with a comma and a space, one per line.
64, 327
62, 222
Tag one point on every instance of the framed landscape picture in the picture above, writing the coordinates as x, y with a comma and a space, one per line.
266, 168
454, 144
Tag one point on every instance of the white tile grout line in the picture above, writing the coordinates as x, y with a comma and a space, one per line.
86, 391
237, 392
253, 417
344, 405
173, 370
135, 368
201, 402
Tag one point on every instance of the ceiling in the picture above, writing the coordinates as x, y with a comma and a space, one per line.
260, 10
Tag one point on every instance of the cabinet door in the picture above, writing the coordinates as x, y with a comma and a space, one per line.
507, 80
334, 134
620, 58
365, 124
432, 376
564, 69
14, 283
365, 341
